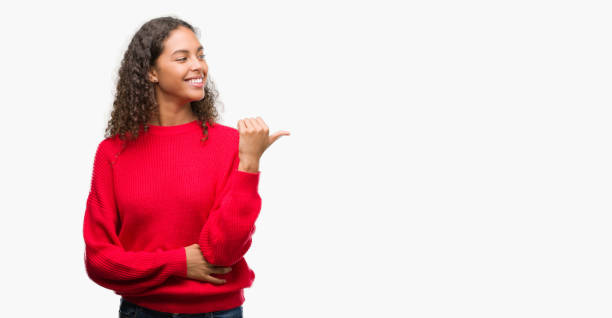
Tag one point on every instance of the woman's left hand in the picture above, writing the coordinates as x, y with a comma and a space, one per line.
255, 139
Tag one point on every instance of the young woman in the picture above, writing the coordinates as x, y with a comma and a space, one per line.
174, 194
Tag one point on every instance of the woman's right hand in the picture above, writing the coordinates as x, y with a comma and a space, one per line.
198, 268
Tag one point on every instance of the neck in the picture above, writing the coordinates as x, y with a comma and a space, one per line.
171, 111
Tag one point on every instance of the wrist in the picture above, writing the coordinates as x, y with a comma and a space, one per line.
248, 165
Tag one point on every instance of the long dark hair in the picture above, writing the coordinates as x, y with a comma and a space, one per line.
135, 101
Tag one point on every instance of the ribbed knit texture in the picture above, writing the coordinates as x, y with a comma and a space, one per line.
164, 191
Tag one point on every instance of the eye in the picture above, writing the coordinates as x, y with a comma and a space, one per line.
184, 58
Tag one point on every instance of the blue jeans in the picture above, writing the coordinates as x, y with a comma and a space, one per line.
128, 309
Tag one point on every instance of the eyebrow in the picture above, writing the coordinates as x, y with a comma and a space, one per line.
185, 51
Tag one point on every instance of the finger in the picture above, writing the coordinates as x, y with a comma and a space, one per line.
262, 124
251, 125
278, 134
242, 125
215, 280
255, 124
221, 270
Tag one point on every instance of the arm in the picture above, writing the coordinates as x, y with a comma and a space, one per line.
227, 234
106, 261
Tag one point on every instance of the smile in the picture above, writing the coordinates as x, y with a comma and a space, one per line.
197, 82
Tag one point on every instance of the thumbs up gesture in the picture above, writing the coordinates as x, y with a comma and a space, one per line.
254, 140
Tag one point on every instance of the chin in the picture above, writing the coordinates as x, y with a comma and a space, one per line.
201, 97
196, 97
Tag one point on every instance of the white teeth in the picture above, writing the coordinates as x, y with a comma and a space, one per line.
196, 81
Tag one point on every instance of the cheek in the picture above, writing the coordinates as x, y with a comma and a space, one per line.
175, 81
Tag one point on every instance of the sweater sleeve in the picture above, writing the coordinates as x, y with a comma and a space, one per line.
227, 233
106, 261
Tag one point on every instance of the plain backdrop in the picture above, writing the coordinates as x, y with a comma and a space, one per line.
446, 158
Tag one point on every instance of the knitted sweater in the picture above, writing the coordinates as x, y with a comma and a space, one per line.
162, 192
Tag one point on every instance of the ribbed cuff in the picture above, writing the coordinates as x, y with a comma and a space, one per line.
177, 262
245, 182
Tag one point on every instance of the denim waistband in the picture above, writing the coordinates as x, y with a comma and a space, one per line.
128, 309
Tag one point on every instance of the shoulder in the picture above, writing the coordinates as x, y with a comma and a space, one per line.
226, 136
225, 130
108, 148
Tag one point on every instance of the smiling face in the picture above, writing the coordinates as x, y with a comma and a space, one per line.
182, 59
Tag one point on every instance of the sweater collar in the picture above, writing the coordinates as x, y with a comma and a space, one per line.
175, 129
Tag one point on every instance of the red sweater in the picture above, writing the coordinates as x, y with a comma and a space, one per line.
164, 191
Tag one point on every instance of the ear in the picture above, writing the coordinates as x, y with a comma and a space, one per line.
153, 75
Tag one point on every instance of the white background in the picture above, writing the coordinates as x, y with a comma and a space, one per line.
446, 158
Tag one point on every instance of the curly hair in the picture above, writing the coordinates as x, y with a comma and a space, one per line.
135, 101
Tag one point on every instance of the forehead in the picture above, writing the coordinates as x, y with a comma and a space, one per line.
179, 39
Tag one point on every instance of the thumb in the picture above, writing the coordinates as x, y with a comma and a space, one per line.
277, 135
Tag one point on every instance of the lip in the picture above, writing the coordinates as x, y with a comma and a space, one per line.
197, 76
199, 85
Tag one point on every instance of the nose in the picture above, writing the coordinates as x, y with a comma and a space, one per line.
197, 65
